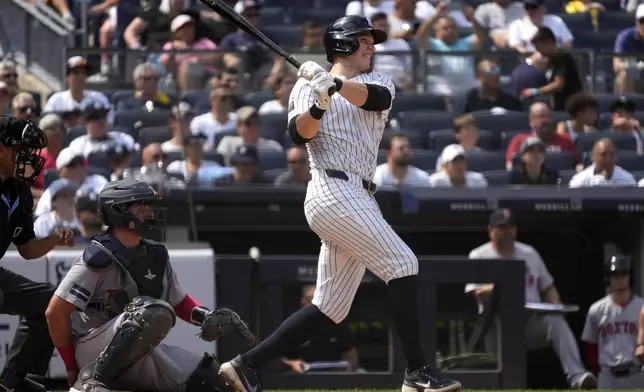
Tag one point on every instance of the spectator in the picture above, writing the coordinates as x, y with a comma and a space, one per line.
529, 74
539, 286
562, 74
621, 112
248, 125
90, 222
188, 66
193, 168
151, 27
281, 91
153, 156
229, 77
628, 69
466, 133
335, 344
403, 23
603, 171
107, 29
62, 193
69, 103
398, 65
423, 9
532, 169
398, 170
52, 126
455, 71
543, 128
454, 172
119, 158
72, 167
488, 94
9, 75
312, 36
495, 16
146, 80
179, 122
298, 168
220, 118
97, 136
521, 31
24, 106
5, 100
579, 6
582, 108
245, 160
640, 184
153, 169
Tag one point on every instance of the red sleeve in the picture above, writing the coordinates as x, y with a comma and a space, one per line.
184, 308
591, 357
513, 148
570, 146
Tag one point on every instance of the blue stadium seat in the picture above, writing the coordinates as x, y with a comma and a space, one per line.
506, 138
273, 126
604, 101
612, 5
497, 177
602, 40
173, 156
325, 15
194, 97
286, 36
51, 175
73, 133
133, 121
438, 140
257, 98
404, 102
486, 161
97, 159
213, 156
577, 22
272, 160
222, 134
512, 121
151, 135
426, 120
585, 142
272, 174
566, 176
614, 21
122, 95
630, 161
273, 15
560, 161
415, 137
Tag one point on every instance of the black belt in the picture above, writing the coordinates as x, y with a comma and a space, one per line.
340, 175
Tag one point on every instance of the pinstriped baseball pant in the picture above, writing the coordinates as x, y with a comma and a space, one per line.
355, 237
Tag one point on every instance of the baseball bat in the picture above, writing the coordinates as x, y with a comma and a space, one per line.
227, 12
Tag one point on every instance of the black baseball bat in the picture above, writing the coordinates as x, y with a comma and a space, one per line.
227, 12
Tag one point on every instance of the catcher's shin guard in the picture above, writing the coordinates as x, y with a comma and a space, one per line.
205, 378
147, 322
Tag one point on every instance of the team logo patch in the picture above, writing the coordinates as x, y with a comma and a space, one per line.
131, 225
291, 106
79, 292
17, 231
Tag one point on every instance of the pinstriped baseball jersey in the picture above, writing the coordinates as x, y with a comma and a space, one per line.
348, 137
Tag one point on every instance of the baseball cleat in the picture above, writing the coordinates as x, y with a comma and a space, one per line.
428, 379
89, 386
240, 376
587, 381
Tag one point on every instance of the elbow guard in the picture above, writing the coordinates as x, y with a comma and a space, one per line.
378, 98
296, 138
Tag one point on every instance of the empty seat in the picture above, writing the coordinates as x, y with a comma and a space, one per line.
222, 134
630, 161
120, 96
173, 156
614, 21
133, 121
560, 161
325, 15
286, 36
605, 100
194, 97
577, 22
497, 123
417, 102
273, 15
273, 126
269, 160
73, 132
100, 171
272, 174
51, 175
151, 135
257, 98
486, 161
438, 140
213, 156
416, 139
426, 120
497, 177
97, 159
623, 142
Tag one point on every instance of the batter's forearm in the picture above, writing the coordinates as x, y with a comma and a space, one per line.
354, 92
305, 125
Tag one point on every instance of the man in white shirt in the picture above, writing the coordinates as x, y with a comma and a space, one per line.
367, 8
75, 98
282, 91
454, 171
97, 137
521, 31
496, 16
71, 166
397, 65
403, 22
24, 106
179, 121
539, 286
220, 117
604, 171
63, 194
248, 125
398, 171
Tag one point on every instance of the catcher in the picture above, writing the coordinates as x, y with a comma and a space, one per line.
120, 299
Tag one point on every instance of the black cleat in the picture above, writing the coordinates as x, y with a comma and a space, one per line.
240, 376
428, 379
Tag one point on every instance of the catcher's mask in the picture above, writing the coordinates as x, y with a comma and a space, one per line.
27, 141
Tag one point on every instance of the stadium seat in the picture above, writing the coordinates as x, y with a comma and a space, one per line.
194, 97
585, 142
273, 15
417, 102
272, 160
325, 15
257, 98
137, 159
600, 41
614, 21
605, 100
273, 126
286, 36
630, 161
151, 135
213, 156
101, 171
120, 96
506, 138
97, 159
566, 176
133, 121
497, 177
486, 161
560, 161
638, 174
414, 136
73, 133
173, 156
438, 140
222, 134
272, 174
426, 121
511, 121
577, 22
51, 175
424, 160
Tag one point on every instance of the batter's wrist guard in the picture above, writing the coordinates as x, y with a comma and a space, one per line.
316, 112
338, 84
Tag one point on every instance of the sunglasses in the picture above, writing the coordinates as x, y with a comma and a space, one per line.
25, 109
159, 157
492, 70
10, 76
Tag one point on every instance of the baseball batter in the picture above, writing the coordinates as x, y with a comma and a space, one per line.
120, 299
611, 331
340, 116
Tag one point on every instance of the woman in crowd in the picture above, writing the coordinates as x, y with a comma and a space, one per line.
531, 170
582, 108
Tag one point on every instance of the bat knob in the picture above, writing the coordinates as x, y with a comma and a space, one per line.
331, 91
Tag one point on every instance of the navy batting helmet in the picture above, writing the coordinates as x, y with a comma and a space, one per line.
340, 37
619, 263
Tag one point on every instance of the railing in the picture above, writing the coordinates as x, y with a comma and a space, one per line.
33, 39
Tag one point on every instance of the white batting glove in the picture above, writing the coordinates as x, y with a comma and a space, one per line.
321, 85
310, 70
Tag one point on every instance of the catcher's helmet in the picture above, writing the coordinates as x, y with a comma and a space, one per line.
28, 140
339, 38
618, 263
114, 203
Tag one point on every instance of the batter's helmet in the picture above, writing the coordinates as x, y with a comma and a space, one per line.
619, 263
339, 38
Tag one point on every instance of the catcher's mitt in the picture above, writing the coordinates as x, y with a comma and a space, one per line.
221, 321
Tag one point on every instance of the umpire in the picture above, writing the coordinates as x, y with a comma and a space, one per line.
20, 163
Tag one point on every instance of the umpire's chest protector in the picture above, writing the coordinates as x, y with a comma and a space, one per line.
146, 265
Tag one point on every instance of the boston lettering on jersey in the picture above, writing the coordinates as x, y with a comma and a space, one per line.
618, 327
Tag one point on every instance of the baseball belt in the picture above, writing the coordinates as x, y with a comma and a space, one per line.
340, 175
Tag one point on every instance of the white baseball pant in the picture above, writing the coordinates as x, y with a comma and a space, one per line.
355, 236
606, 380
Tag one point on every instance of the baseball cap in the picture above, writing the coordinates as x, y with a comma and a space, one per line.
95, 111
245, 113
49, 120
622, 102
182, 109
60, 185
246, 153
117, 150
77, 62
639, 12
501, 217
532, 142
189, 137
179, 21
86, 202
452, 152
65, 157
244, 5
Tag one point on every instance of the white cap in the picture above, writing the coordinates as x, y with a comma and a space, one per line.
639, 12
61, 184
243, 5
65, 156
451, 152
3, 85
179, 21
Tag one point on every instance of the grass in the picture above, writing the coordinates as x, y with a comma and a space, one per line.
398, 390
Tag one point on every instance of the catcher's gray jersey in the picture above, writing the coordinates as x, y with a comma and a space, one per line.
94, 293
614, 329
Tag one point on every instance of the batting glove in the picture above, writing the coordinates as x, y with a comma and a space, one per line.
321, 84
309, 70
